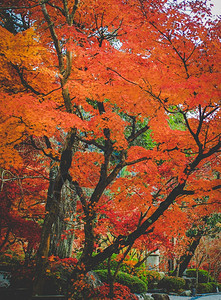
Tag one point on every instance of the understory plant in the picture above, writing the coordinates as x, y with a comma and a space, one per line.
121, 292
135, 284
172, 284
203, 275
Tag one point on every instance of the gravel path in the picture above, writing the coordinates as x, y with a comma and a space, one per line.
216, 296
198, 297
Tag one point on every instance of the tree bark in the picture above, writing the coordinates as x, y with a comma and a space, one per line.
53, 211
62, 236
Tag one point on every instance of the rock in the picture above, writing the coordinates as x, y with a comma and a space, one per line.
144, 296
147, 297
160, 297
162, 275
93, 279
139, 297
190, 282
186, 293
173, 294
5, 278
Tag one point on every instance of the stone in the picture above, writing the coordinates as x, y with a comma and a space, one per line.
144, 296
162, 275
147, 297
5, 278
93, 279
190, 282
160, 297
186, 293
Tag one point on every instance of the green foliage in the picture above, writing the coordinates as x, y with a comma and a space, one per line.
10, 258
215, 285
204, 288
151, 278
124, 267
145, 139
104, 265
171, 283
210, 225
135, 284
203, 275
177, 122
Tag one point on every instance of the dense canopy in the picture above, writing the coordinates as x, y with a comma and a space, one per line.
119, 102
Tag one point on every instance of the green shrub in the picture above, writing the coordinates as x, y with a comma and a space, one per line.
10, 259
124, 267
104, 265
204, 288
142, 277
203, 275
171, 283
152, 278
135, 284
215, 285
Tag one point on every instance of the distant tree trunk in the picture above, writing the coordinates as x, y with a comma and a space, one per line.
177, 269
197, 277
186, 258
141, 261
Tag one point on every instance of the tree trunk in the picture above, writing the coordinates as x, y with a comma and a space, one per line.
62, 236
53, 208
186, 258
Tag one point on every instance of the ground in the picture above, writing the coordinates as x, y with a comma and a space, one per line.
198, 297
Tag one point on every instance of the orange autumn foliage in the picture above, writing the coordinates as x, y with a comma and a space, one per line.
130, 91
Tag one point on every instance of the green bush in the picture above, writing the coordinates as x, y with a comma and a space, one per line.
135, 284
215, 285
203, 275
104, 265
125, 267
152, 278
170, 283
10, 259
204, 288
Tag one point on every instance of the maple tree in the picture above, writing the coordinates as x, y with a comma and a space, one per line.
22, 198
123, 99
207, 256
207, 226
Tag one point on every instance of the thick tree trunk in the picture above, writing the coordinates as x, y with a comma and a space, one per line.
62, 240
53, 209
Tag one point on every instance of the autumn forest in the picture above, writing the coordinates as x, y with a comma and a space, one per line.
110, 134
